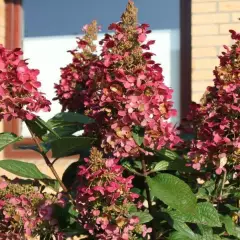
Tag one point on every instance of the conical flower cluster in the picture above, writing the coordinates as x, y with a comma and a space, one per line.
216, 120
104, 198
122, 89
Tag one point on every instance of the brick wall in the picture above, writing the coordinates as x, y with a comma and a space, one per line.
211, 21
2, 21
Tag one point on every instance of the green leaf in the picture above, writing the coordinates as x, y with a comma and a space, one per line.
232, 208
208, 215
162, 165
66, 217
206, 190
70, 174
173, 191
73, 214
7, 138
236, 194
28, 170
63, 215
70, 145
36, 128
207, 232
204, 214
202, 194
184, 228
179, 236
45, 147
137, 164
238, 232
136, 190
144, 217
130, 165
22, 169
132, 209
216, 237
65, 124
209, 186
180, 165
175, 162
62, 131
229, 225
168, 154
46, 126
69, 117
138, 139
52, 183
138, 135
179, 226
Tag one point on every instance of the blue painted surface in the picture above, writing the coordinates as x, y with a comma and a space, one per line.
66, 17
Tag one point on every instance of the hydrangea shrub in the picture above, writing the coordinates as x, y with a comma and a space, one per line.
135, 178
122, 88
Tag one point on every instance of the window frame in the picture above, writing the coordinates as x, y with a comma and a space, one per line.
13, 39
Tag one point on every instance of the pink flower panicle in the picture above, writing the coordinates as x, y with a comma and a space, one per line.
19, 95
216, 120
121, 89
104, 198
24, 211
75, 84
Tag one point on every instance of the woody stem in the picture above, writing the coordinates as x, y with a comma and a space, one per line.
149, 199
49, 164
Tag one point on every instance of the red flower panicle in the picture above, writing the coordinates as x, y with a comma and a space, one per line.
104, 199
216, 120
19, 95
122, 89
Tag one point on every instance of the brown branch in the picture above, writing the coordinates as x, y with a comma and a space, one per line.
54, 161
149, 199
49, 164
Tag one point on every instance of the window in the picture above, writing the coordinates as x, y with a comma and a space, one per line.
49, 29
